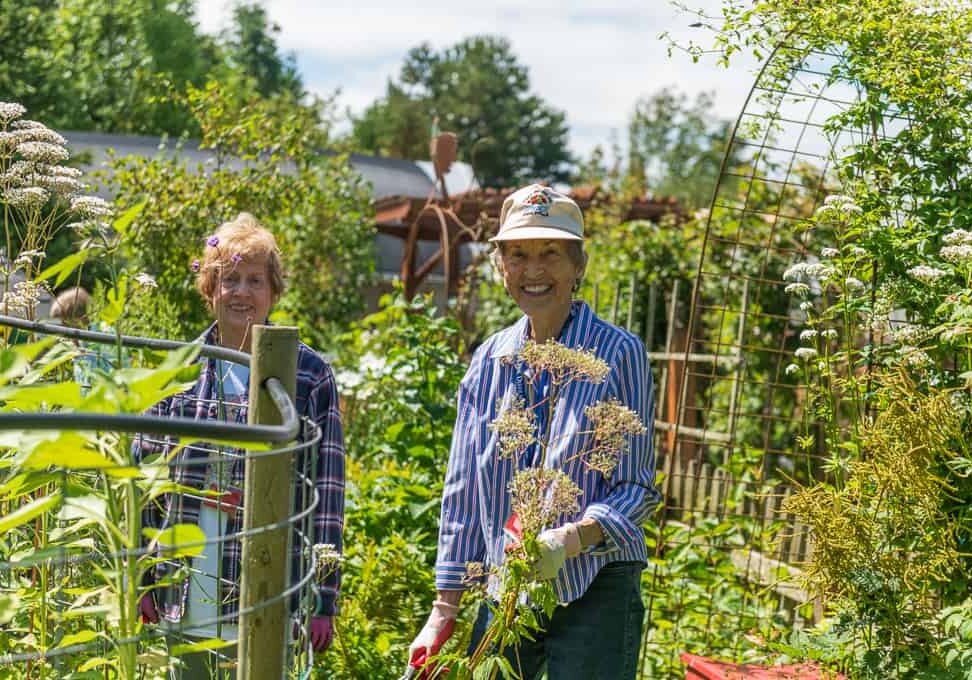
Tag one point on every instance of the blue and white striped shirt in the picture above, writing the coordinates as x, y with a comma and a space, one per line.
475, 500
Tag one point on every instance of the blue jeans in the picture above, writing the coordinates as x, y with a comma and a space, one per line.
596, 637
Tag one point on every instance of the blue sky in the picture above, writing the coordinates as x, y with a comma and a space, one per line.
591, 60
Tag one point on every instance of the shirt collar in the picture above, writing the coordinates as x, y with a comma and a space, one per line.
511, 341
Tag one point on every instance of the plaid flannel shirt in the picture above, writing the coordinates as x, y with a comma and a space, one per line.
317, 401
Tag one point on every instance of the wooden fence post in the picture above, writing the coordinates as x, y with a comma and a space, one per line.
267, 500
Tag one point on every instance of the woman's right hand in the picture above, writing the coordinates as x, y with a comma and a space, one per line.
147, 609
436, 632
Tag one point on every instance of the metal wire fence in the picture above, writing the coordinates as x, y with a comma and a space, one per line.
88, 543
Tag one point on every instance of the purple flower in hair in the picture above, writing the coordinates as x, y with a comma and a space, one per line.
212, 241
195, 265
236, 258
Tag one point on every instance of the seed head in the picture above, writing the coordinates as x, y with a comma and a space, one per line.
613, 424
515, 428
539, 496
563, 364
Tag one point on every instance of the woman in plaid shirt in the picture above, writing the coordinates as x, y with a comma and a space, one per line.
240, 277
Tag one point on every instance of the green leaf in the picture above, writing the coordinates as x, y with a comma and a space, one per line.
27, 512
179, 540
126, 219
69, 450
63, 267
14, 361
9, 606
201, 646
31, 398
78, 638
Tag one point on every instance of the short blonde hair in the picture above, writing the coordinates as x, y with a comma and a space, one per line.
71, 306
243, 238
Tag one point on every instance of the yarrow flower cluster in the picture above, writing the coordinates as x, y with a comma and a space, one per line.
807, 271
540, 495
927, 274
613, 424
958, 237
805, 353
564, 364
26, 199
838, 206
958, 254
10, 111
326, 560
515, 428
91, 206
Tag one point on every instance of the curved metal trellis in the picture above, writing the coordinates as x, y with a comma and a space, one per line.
735, 444
71, 569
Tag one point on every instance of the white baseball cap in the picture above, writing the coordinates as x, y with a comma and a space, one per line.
539, 212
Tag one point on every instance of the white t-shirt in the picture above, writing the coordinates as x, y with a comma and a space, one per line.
203, 600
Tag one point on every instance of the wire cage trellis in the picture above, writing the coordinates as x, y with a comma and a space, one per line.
736, 432
68, 557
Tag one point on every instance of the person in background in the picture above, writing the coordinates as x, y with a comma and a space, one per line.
70, 307
596, 557
240, 277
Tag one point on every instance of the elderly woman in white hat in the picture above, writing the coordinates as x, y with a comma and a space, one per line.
595, 558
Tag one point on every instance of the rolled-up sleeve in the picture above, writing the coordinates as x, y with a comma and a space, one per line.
329, 516
632, 496
460, 533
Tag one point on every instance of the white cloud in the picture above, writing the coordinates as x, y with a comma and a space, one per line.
591, 63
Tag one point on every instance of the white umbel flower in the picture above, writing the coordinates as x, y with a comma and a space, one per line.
805, 353
808, 335
960, 254
957, 237
927, 274
42, 152
28, 198
10, 111
91, 206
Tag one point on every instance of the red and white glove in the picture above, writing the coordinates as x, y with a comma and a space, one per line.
556, 547
435, 633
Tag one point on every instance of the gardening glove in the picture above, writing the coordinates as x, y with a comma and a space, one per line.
321, 632
556, 545
147, 609
435, 633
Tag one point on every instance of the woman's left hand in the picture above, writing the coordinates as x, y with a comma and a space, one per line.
556, 545
321, 632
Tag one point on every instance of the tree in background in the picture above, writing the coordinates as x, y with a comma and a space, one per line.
478, 90
316, 205
102, 64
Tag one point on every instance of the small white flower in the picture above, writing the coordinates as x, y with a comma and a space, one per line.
60, 171
857, 251
808, 335
40, 133
9, 111
958, 237
791, 369
27, 257
146, 280
795, 272
28, 198
91, 206
796, 289
853, 284
927, 274
909, 334
805, 353
829, 252
960, 254
837, 199
829, 334
42, 152
915, 357
806, 306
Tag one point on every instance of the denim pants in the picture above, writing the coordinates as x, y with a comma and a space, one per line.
596, 637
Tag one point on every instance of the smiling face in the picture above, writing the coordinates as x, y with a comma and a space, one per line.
243, 297
540, 275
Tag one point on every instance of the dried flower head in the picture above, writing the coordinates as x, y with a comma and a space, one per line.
564, 364
613, 424
539, 496
515, 428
